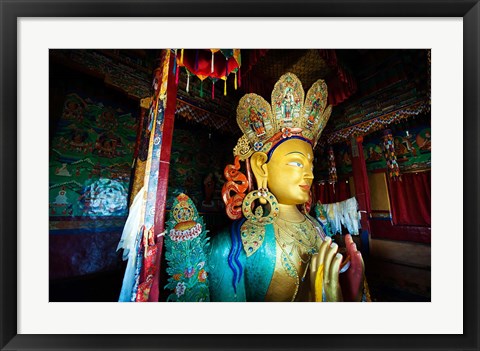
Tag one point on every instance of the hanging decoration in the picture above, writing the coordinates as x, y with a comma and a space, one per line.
214, 80
389, 152
379, 122
212, 64
188, 81
335, 215
332, 169
209, 63
139, 239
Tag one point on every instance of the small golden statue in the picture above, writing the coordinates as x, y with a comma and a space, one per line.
274, 250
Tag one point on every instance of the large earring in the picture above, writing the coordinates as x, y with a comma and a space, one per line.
263, 189
256, 214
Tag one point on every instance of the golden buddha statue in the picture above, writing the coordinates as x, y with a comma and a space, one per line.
275, 251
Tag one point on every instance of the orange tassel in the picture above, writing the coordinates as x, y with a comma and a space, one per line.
225, 87
181, 57
235, 81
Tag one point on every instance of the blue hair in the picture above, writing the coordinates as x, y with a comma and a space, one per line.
233, 261
269, 154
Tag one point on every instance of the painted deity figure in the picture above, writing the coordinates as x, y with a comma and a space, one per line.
313, 114
256, 122
287, 105
425, 142
274, 250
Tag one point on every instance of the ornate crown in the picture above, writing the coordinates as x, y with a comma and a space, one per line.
265, 126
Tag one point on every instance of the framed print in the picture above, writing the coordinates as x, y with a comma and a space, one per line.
37, 314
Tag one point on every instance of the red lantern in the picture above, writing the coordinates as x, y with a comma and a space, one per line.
209, 63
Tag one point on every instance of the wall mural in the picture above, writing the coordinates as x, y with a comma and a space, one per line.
343, 158
196, 169
412, 148
412, 142
343, 161
90, 160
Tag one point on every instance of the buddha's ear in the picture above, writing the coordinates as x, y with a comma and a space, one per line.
258, 162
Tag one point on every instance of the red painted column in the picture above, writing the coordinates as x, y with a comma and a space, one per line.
167, 136
164, 169
360, 177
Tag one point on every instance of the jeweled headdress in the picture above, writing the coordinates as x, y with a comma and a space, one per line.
265, 127
290, 115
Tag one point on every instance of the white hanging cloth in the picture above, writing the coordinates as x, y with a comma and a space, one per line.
128, 243
343, 213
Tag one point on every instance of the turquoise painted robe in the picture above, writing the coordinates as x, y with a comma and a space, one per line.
232, 275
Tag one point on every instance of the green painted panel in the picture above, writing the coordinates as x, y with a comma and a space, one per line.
90, 158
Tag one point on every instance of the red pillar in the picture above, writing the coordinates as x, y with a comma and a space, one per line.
163, 171
360, 177
164, 168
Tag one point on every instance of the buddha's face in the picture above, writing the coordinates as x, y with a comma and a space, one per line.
290, 172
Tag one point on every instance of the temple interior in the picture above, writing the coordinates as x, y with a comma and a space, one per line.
372, 163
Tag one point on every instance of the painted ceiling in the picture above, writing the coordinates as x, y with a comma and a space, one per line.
368, 88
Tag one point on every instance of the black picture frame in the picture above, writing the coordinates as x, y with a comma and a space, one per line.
11, 10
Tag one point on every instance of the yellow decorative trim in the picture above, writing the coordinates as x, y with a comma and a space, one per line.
146, 103
242, 149
138, 178
165, 73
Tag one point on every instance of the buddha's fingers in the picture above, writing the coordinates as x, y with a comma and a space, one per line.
323, 248
355, 275
334, 293
357, 265
314, 262
335, 268
348, 239
331, 251
350, 245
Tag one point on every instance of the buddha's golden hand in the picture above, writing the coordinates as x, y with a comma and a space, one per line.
326, 276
